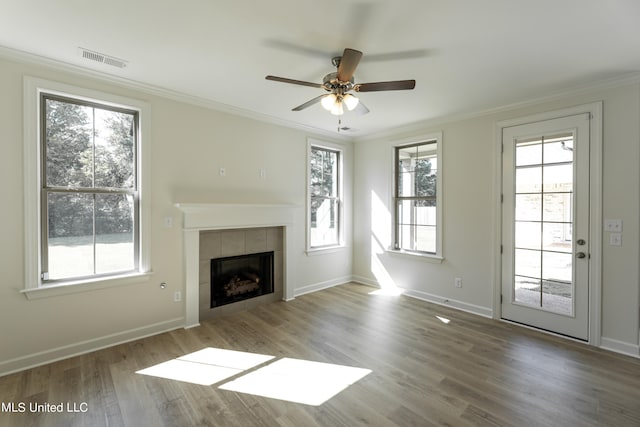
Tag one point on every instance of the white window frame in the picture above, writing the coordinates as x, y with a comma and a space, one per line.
435, 137
34, 286
312, 143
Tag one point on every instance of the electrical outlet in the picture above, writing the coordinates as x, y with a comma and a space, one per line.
457, 282
177, 296
615, 239
223, 172
168, 221
263, 173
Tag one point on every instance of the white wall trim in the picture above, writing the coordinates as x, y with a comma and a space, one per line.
432, 298
621, 347
28, 58
83, 347
595, 109
451, 303
321, 286
32, 89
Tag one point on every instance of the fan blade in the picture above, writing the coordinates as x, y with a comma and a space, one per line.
292, 81
380, 86
348, 63
361, 109
309, 103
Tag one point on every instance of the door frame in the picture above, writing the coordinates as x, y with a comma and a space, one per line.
595, 208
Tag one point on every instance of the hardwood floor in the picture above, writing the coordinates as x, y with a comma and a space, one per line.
470, 371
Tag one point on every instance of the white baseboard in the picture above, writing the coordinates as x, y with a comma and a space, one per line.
365, 281
320, 286
53, 355
435, 299
620, 347
448, 302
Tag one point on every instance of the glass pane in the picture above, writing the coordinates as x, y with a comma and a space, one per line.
558, 178
114, 145
528, 207
114, 233
528, 154
425, 239
528, 263
558, 151
406, 186
417, 170
324, 172
528, 235
557, 237
557, 266
406, 237
70, 249
557, 297
528, 180
69, 144
527, 291
558, 207
324, 222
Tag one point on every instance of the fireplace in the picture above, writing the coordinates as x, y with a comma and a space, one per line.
241, 277
204, 228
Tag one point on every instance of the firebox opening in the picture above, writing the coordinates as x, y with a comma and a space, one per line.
241, 277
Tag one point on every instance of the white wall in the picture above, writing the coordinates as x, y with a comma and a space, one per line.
469, 197
188, 146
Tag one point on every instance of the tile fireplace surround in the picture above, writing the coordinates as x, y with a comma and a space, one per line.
202, 217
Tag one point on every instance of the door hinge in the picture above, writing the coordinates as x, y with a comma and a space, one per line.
500, 298
501, 248
502, 198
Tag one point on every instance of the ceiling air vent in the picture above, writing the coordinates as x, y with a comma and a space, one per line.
102, 58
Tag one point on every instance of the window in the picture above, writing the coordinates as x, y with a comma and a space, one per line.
417, 192
85, 217
324, 197
89, 209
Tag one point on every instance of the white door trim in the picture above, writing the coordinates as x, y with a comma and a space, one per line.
595, 208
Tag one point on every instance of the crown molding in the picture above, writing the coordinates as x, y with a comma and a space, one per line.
420, 126
38, 60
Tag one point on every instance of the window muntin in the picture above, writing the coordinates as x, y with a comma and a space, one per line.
324, 197
89, 189
416, 198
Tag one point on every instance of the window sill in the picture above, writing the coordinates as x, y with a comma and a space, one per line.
47, 291
325, 250
434, 259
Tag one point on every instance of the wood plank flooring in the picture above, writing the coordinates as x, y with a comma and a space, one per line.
468, 372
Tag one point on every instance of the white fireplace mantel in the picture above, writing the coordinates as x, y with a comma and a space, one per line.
220, 216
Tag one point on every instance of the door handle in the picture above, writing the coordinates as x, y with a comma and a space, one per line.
581, 255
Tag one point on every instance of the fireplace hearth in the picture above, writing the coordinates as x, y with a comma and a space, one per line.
241, 277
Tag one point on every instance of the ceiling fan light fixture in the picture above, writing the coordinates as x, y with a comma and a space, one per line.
350, 101
329, 101
337, 109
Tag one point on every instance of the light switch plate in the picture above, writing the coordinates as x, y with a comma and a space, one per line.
613, 225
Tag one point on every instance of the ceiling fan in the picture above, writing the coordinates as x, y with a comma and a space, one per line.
339, 84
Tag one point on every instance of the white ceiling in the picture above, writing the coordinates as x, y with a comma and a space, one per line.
465, 55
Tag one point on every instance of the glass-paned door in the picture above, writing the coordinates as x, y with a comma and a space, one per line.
545, 225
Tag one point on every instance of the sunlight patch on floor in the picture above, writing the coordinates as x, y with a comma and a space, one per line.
443, 320
389, 291
300, 381
207, 366
293, 380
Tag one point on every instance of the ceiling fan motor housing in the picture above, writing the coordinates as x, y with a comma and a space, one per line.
331, 83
